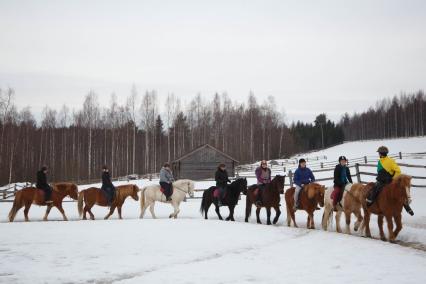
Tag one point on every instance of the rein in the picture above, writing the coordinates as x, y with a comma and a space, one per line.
180, 189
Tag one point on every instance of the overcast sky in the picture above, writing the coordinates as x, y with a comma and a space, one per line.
313, 56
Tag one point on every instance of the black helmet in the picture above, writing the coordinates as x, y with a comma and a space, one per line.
342, 158
105, 167
302, 161
222, 165
166, 165
383, 150
44, 168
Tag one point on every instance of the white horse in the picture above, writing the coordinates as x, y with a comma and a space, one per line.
152, 193
351, 203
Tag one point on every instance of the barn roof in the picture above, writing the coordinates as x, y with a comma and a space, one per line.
202, 147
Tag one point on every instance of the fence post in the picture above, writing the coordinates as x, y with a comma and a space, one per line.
237, 175
284, 170
322, 165
400, 155
358, 175
290, 176
365, 160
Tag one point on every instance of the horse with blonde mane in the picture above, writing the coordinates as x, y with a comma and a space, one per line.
352, 202
93, 195
31, 195
388, 205
152, 193
311, 195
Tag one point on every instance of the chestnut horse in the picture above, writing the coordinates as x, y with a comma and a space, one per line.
311, 195
31, 195
353, 201
389, 205
270, 199
93, 195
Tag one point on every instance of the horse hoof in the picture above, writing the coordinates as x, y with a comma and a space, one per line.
246, 220
392, 241
170, 216
384, 239
275, 222
259, 222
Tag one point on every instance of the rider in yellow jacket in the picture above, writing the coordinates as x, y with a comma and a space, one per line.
387, 169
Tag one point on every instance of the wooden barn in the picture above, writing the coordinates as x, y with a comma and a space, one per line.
201, 163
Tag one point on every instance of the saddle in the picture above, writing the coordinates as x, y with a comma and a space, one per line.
216, 193
163, 191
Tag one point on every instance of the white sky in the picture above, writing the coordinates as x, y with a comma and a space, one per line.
313, 56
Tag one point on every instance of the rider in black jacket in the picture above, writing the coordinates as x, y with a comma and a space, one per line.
107, 185
222, 179
43, 185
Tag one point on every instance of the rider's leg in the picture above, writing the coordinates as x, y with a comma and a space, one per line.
296, 196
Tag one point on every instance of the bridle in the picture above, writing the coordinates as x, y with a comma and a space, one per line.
180, 189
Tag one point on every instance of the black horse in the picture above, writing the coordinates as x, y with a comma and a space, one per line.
233, 192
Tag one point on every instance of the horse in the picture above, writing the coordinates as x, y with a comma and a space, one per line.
152, 193
352, 202
388, 205
311, 195
94, 195
231, 198
270, 199
31, 195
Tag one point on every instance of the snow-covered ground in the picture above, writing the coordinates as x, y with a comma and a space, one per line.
193, 250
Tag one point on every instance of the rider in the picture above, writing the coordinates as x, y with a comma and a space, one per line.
263, 175
222, 179
302, 176
387, 169
342, 176
166, 181
107, 185
43, 185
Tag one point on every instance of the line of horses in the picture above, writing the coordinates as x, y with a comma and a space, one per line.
388, 205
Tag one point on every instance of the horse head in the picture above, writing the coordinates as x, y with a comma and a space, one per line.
404, 185
278, 183
191, 188
239, 185
316, 192
73, 191
135, 190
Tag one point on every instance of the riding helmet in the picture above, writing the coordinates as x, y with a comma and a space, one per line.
44, 168
342, 158
105, 167
383, 150
166, 165
302, 161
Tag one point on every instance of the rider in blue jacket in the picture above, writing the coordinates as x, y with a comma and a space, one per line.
302, 176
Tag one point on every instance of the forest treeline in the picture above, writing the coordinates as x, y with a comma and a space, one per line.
135, 138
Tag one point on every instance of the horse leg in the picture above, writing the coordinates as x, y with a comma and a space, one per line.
62, 212
248, 209
366, 224
293, 217
119, 212
268, 216
288, 216
49, 207
359, 220
389, 220
231, 213
338, 216
257, 215
26, 210
111, 210
151, 209
312, 220
218, 211
380, 223
348, 222
92, 216
145, 206
176, 210
398, 222
206, 209
277, 215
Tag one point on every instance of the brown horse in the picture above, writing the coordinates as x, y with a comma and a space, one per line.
311, 195
32, 195
93, 195
270, 199
389, 205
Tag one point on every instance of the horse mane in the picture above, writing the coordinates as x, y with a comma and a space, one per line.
63, 186
124, 190
312, 189
398, 186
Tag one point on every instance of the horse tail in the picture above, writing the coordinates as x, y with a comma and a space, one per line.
15, 207
203, 202
142, 200
80, 203
327, 217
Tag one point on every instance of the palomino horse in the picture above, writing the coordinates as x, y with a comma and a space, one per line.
32, 195
310, 196
388, 204
352, 202
152, 193
93, 195
270, 199
233, 192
